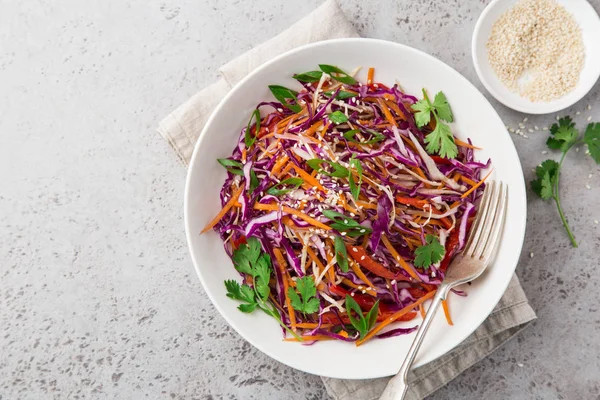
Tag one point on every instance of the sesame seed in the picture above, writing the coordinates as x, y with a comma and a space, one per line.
364, 291
362, 231
354, 249
544, 152
343, 233
589, 107
589, 118
525, 119
530, 130
588, 187
590, 176
536, 128
577, 149
578, 113
352, 294
393, 282
596, 221
520, 365
360, 287
521, 126
557, 117
526, 137
531, 255
512, 130
518, 131
362, 258
545, 128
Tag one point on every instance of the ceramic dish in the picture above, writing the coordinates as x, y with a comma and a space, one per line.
413, 69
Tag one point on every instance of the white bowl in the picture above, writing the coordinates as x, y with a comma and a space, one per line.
588, 20
475, 118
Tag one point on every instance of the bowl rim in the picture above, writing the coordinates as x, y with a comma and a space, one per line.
539, 108
520, 229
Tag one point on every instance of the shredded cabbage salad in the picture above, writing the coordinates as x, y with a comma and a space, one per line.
338, 210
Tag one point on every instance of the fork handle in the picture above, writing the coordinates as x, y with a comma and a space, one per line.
397, 386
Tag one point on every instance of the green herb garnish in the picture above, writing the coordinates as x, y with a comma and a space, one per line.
563, 137
282, 94
277, 190
440, 140
337, 74
338, 117
341, 255
254, 182
311, 76
338, 171
249, 259
233, 166
361, 323
430, 253
306, 302
355, 186
342, 223
248, 138
342, 94
376, 136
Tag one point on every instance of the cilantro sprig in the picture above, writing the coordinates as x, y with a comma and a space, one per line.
430, 253
337, 170
342, 223
250, 260
440, 140
362, 323
563, 136
306, 302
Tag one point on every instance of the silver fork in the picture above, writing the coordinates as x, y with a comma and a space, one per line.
478, 252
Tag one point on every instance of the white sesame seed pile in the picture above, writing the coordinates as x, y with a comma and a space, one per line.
536, 49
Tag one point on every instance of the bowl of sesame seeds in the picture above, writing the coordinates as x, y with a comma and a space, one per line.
537, 56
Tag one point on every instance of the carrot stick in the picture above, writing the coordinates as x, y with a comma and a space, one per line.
279, 164
465, 144
422, 310
396, 109
467, 180
307, 177
289, 210
399, 258
412, 201
312, 325
224, 210
387, 113
366, 205
468, 192
394, 317
331, 270
447, 312
286, 170
282, 264
370, 75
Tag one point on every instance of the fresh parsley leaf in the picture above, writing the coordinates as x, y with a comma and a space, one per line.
440, 140
292, 183
312, 76
423, 112
342, 223
376, 136
430, 253
341, 255
262, 274
337, 74
282, 93
355, 186
248, 138
592, 139
338, 171
442, 108
233, 166
246, 256
547, 173
338, 117
242, 293
306, 302
361, 323
564, 134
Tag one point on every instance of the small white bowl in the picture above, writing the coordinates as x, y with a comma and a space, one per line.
588, 20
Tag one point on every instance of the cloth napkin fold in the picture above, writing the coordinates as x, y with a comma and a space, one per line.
182, 127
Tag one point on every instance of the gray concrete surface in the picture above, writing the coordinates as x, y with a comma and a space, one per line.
98, 297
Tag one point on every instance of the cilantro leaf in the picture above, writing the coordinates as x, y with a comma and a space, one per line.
338, 117
564, 134
337, 74
592, 139
547, 173
262, 274
341, 255
246, 256
361, 323
441, 106
441, 141
311, 76
242, 293
423, 112
282, 93
430, 253
306, 302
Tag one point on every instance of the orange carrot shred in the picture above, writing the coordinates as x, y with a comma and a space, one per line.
447, 312
224, 210
465, 144
468, 192
387, 113
399, 258
282, 265
370, 75
422, 310
289, 210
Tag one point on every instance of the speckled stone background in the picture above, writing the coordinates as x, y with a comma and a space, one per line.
98, 297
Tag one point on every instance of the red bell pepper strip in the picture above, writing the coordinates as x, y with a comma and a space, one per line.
364, 260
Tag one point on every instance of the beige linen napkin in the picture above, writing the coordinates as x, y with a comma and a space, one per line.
182, 128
